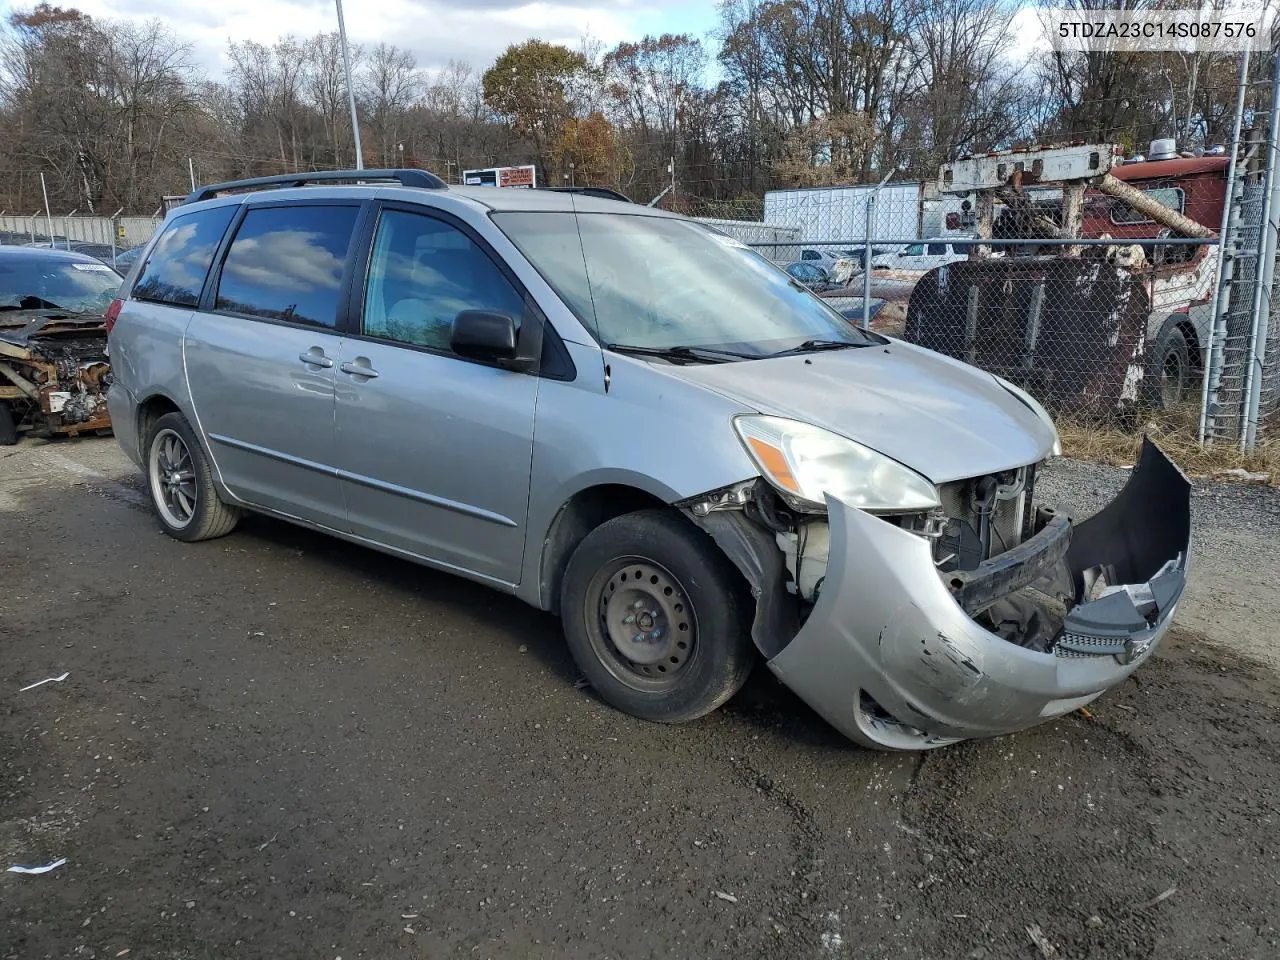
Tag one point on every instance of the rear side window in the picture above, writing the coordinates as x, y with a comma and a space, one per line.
180, 259
286, 263
937, 249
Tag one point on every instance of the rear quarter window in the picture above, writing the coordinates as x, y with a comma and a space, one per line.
176, 268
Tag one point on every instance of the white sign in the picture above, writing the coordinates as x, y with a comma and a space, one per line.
525, 176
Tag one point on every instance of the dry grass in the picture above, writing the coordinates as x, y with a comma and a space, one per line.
1175, 432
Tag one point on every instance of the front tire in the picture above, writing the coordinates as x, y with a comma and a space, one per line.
657, 618
180, 481
8, 425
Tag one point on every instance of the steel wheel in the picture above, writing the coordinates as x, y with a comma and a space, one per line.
173, 480
657, 617
648, 629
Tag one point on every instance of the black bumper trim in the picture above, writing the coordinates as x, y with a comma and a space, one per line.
1030, 561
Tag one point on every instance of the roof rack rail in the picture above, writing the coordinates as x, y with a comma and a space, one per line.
602, 193
406, 178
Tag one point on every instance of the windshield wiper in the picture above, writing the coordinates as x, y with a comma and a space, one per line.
813, 346
680, 353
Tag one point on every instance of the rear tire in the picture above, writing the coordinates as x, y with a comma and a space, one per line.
180, 481
651, 575
1173, 369
8, 426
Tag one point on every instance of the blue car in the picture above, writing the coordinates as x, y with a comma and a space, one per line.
124, 261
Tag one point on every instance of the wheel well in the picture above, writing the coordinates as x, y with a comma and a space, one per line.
149, 412
581, 514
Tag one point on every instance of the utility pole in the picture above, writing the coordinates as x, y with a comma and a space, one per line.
351, 90
1173, 108
48, 216
869, 213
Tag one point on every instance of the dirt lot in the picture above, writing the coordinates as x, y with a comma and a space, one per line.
278, 745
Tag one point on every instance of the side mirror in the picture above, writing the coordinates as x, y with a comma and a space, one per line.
484, 335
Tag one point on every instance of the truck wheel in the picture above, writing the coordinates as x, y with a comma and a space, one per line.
8, 426
181, 483
657, 618
1173, 367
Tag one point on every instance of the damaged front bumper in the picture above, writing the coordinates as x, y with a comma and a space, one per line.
54, 375
893, 656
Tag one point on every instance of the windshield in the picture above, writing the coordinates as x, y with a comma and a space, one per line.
41, 283
657, 282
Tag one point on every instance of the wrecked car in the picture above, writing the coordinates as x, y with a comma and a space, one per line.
646, 428
54, 370
813, 276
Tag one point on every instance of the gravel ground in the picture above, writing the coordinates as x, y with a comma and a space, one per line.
280, 745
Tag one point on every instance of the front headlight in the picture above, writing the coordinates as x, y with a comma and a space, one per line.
805, 463
1035, 407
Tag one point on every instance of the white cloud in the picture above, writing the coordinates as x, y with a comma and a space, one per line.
1028, 35
434, 30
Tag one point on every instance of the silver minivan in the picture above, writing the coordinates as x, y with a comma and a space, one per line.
632, 420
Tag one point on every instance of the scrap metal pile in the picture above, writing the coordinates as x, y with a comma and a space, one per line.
54, 374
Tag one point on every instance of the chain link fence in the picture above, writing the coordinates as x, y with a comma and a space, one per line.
1099, 285
1103, 327
1108, 298
1259, 395
102, 237
1241, 390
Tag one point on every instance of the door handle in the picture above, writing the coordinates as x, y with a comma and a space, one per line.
359, 369
315, 356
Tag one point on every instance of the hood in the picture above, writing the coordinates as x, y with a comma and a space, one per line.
22, 326
944, 419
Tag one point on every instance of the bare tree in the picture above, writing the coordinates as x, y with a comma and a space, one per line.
810, 91
961, 93
453, 129
149, 82
104, 109
268, 83
814, 58
1100, 94
325, 84
388, 86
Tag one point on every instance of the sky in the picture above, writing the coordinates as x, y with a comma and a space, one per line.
435, 31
